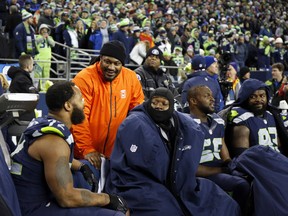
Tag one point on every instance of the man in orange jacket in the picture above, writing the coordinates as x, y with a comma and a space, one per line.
110, 91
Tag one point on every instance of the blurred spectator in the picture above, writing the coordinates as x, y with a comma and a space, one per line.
13, 19
34, 5
101, 35
265, 29
44, 43
151, 75
276, 83
210, 43
286, 55
188, 54
244, 74
4, 85
27, 7
123, 35
175, 38
21, 81
194, 41
146, 35
3, 12
200, 76
168, 61
231, 76
136, 35
47, 18
264, 53
227, 44
241, 52
162, 41
178, 57
24, 35
74, 16
70, 37
81, 32
252, 58
85, 16
138, 53
278, 52
212, 68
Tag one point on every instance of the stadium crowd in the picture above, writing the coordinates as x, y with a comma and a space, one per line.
254, 33
212, 46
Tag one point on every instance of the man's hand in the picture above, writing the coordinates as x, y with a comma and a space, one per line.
231, 166
89, 177
117, 203
95, 159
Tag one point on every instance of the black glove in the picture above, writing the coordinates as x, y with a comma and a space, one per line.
89, 177
117, 203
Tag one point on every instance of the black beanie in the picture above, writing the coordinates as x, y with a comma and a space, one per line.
155, 51
156, 115
114, 49
244, 70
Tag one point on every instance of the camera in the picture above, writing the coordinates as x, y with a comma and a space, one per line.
225, 85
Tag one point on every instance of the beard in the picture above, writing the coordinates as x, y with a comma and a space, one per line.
258, 111
206, 109
77, 116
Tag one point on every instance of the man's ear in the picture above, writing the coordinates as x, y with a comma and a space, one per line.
192, 101
67, 106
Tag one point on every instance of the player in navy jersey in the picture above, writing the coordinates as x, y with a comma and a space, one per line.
215, 156
42, 161
252, 120
255, 133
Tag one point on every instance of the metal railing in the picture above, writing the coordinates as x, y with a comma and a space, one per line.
65, 67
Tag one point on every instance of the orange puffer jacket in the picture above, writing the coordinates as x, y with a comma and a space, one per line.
106, 106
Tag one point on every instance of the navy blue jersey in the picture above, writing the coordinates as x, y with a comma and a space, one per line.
28, 173
214, 133
262, 129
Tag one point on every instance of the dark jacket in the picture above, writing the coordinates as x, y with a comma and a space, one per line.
274, 88
150, 80
12, 21
20, 36
155, 181
21, 81
126, 40
268, 170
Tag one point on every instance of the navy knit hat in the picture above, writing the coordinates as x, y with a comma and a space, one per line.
210, 60
114, 49
235, 66
198, 62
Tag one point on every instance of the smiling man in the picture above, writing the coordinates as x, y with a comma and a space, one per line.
110, 91
250, 122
